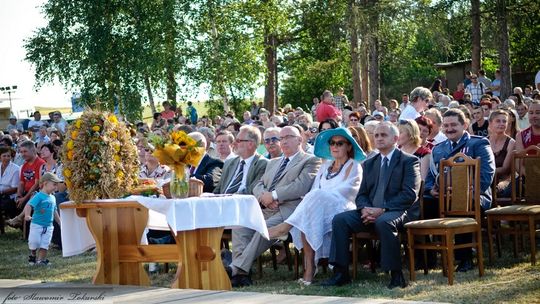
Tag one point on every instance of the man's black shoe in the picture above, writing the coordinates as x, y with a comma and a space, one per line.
398, 280
339, 279
465, 265
241, 280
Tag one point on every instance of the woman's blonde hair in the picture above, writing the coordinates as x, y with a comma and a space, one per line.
412, 129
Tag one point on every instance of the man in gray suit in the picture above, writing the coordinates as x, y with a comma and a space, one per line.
240, 174
285, 181
387, 199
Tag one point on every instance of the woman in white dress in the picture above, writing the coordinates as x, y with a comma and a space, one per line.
334, 191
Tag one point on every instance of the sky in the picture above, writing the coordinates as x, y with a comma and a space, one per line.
18, 20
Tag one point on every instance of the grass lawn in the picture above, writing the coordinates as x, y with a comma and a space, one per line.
508, 281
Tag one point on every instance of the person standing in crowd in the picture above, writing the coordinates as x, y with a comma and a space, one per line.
523, 118
242, 172
35, 125
340, 100
458, 93
334, 190
14, 124
388, 191
436, 136
480, 126
167, 112
192, 113
531, 135
326, 109
483, 79
495, 86
459, 140
59, 123
354, 119
476, 89
285, 181
404, 101
420, 97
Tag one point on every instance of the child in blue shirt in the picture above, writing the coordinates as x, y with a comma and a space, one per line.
43, 204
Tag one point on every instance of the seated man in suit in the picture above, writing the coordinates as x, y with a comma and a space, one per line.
285, 181
209, 169
387, 199
241, 173
459, 140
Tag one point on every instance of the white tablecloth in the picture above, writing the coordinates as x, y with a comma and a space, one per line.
180, 214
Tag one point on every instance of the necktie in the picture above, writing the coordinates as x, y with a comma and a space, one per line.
237, 181
277, 177
454, 145
378, 199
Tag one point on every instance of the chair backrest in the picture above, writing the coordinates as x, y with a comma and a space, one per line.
459, 187
526, 171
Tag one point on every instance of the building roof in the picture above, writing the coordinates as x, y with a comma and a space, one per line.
442, 65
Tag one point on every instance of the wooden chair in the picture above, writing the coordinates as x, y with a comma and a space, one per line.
459, 211
525, 199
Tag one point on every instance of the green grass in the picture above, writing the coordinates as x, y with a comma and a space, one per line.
508, 281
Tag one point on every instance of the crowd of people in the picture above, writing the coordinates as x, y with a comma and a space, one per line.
319, 175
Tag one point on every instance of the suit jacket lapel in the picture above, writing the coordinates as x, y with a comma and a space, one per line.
230, 175
251, 171
393, 162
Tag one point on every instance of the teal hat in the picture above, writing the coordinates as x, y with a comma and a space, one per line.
322, 147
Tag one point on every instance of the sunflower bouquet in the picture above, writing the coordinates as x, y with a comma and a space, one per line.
177, 150
99, 158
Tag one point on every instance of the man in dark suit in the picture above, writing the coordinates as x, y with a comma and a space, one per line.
209, 169
387, 199
240, 174
285, 181
459, 140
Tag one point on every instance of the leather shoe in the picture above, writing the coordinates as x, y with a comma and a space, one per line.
465, 265
398, 280
339, 279
241, 280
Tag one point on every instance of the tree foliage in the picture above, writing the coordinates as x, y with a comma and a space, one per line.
114, 51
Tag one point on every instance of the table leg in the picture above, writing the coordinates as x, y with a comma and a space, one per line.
200, 265
112, 227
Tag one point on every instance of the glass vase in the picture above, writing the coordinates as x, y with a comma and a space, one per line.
179, 185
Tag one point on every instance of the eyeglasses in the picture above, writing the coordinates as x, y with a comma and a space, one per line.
336, 143
242, 140
313, 130
474, 78
272, 139
353, 119
288, 137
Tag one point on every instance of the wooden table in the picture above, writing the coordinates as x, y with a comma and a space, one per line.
118, 227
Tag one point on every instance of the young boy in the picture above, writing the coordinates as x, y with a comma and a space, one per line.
41, 228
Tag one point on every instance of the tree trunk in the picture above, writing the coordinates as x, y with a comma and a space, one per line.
149, 92
476, 55
216, 57
373, 47
171, 85
355, 59
504, 49
364, 70
271, 72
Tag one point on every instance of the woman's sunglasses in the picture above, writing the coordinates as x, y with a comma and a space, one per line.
336, 143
